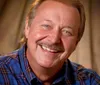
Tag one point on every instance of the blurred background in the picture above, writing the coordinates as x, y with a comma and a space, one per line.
12, 21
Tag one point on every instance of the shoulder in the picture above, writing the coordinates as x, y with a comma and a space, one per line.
7, 62
10, 62
8, 58
85, 74
10, 67
11, 58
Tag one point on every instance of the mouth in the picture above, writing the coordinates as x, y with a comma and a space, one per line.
52, 49
49, 49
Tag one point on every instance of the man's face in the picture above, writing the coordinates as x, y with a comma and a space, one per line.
52, 36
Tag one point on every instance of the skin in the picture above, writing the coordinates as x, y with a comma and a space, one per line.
51, 38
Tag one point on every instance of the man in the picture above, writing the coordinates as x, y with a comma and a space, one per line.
53, 29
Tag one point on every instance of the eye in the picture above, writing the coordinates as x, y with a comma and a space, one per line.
46, 26
67, 32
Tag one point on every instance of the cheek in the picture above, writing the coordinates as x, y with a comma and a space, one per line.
37, 32
69, 44
35, 35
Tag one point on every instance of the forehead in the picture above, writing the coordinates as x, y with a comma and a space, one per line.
54, 9
55, 6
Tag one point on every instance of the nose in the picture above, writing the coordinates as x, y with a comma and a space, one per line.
55, 36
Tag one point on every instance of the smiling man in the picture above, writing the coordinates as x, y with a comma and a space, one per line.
53, 29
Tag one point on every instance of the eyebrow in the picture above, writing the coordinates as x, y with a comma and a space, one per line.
69, 27
47, 20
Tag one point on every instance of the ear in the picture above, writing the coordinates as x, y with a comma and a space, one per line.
26, 30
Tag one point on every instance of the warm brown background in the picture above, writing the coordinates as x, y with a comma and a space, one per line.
12, 17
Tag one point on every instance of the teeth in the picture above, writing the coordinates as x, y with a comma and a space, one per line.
48, 49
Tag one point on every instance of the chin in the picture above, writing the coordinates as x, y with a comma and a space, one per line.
46, 64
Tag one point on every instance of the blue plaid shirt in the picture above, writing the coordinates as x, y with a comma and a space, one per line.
15, 70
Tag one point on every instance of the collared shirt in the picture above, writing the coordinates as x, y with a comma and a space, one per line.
15, 70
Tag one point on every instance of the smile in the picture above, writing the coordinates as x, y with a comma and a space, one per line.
49, 49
